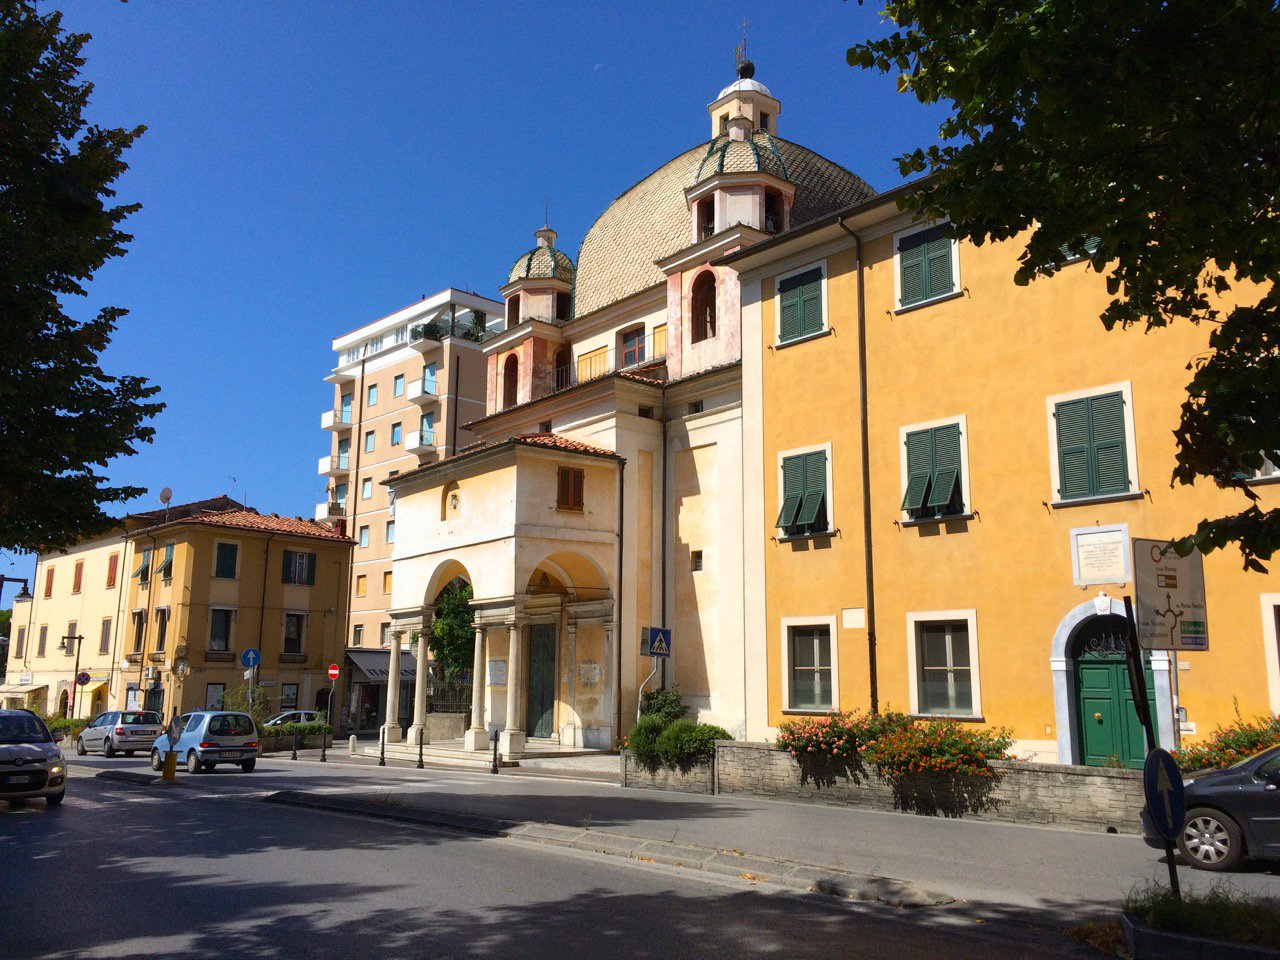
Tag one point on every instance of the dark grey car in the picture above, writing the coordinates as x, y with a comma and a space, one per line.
120, 731
1231, 813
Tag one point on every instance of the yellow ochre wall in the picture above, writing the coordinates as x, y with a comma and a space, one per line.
993, 354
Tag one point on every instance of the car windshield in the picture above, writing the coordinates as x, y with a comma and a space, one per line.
1253, 756
277, 718
23, 728
231, 725
140, 718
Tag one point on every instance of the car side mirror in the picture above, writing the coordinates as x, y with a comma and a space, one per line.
59, 736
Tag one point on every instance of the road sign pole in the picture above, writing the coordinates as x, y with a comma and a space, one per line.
1173, 869
1138, 676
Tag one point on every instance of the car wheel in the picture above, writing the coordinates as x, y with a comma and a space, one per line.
107, 749
157, 761
248, 766
54, 799
1210, 840
80, 750
193, 763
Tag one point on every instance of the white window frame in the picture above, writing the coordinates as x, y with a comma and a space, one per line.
831, 497
965, 493
366, 488
231, 629
398, 380
1125, 389
920, 227
777, 304
1271, 646
784, 637
389, 532
913, 668
362, 535
302, 638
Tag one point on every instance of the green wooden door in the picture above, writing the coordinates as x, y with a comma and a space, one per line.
1107, 723
542, 679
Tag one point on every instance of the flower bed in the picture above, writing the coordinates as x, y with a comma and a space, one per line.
1226, 745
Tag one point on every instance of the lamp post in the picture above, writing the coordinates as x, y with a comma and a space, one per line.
23, 595
75, 673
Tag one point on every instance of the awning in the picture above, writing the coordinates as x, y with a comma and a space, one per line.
21, 689
372, 666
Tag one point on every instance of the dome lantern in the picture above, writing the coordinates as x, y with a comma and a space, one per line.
745, 97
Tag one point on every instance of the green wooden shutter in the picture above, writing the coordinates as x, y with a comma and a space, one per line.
792, 491
911, 266
946, 464
311, 569
810, 302
938, 262
789, 325
919, 468
815, 489
1111, 465
1074, 478
286, 567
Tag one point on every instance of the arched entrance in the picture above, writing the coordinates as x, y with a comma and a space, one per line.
63, 699
1108, 731
1090, 680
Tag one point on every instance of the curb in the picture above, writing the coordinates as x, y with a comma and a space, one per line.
783, 873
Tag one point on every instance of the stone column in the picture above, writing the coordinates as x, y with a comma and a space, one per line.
477, 738
571, 731
612, 690
391, 722
511, 742
418, 731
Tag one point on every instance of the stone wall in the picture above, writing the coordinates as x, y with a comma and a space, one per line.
1041, 793
696, 779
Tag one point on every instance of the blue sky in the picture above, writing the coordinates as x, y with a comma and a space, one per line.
309, 167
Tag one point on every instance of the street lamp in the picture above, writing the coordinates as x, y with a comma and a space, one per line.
23, 595
75, 674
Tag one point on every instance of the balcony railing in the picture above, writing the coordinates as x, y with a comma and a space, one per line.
339, 419
470, 325
332, 510
420, 441
423, 390
334, 466
598, 363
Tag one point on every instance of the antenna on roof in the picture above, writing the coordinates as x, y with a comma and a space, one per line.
165, 496
232, 495
740, 54
546, 210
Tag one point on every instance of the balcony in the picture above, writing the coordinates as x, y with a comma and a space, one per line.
422, 392
643, 352
339, 421
451, 323
420, 441
333, 510
334, 466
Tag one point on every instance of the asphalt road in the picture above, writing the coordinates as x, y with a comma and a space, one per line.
128, 871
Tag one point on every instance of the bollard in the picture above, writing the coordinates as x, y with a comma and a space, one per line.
351, 745
170, 767
494, 767
324, 741
421, 737
382, 747
294, 755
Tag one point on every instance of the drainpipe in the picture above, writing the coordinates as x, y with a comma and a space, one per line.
863, 419
663, 523
618, 637
121, 577
353, 494
262, 606
453, 407
146, 626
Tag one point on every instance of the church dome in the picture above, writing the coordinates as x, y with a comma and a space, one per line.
542, 263
651, 220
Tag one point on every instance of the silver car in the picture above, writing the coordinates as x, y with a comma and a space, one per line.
31, 763
120, 731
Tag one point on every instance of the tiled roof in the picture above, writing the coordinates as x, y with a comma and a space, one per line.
541, 263
759, 152
547, 441
651, 220
180, 510
267, 523
553, 441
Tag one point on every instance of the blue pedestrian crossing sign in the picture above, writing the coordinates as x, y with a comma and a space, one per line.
250, 658
655, 641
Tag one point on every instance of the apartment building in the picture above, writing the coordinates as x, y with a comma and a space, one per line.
76, 618
403, 387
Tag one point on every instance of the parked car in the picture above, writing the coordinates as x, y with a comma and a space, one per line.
1231, 813
294, 716
31, 763
208, 738
120, 731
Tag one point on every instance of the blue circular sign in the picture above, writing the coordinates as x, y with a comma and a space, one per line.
250, 657
1166, 797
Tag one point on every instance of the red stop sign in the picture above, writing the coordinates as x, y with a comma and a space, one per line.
333, 671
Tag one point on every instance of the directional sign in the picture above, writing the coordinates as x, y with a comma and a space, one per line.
1166, 800
333, 671
655, 641
250, 658
83, 678
173, 732
1169, 598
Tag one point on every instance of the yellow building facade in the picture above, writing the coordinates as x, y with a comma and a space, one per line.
1010, 444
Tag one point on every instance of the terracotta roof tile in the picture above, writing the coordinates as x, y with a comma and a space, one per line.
268, 523
553, 441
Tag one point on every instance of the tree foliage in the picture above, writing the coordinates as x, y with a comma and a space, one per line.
62, 417
452, 640
1153, 125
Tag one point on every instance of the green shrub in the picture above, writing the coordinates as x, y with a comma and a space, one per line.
70, 726
1226, 745
642, 741
303, 730
938, 747
685, 743
1220, 914
667, 704
838, 736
